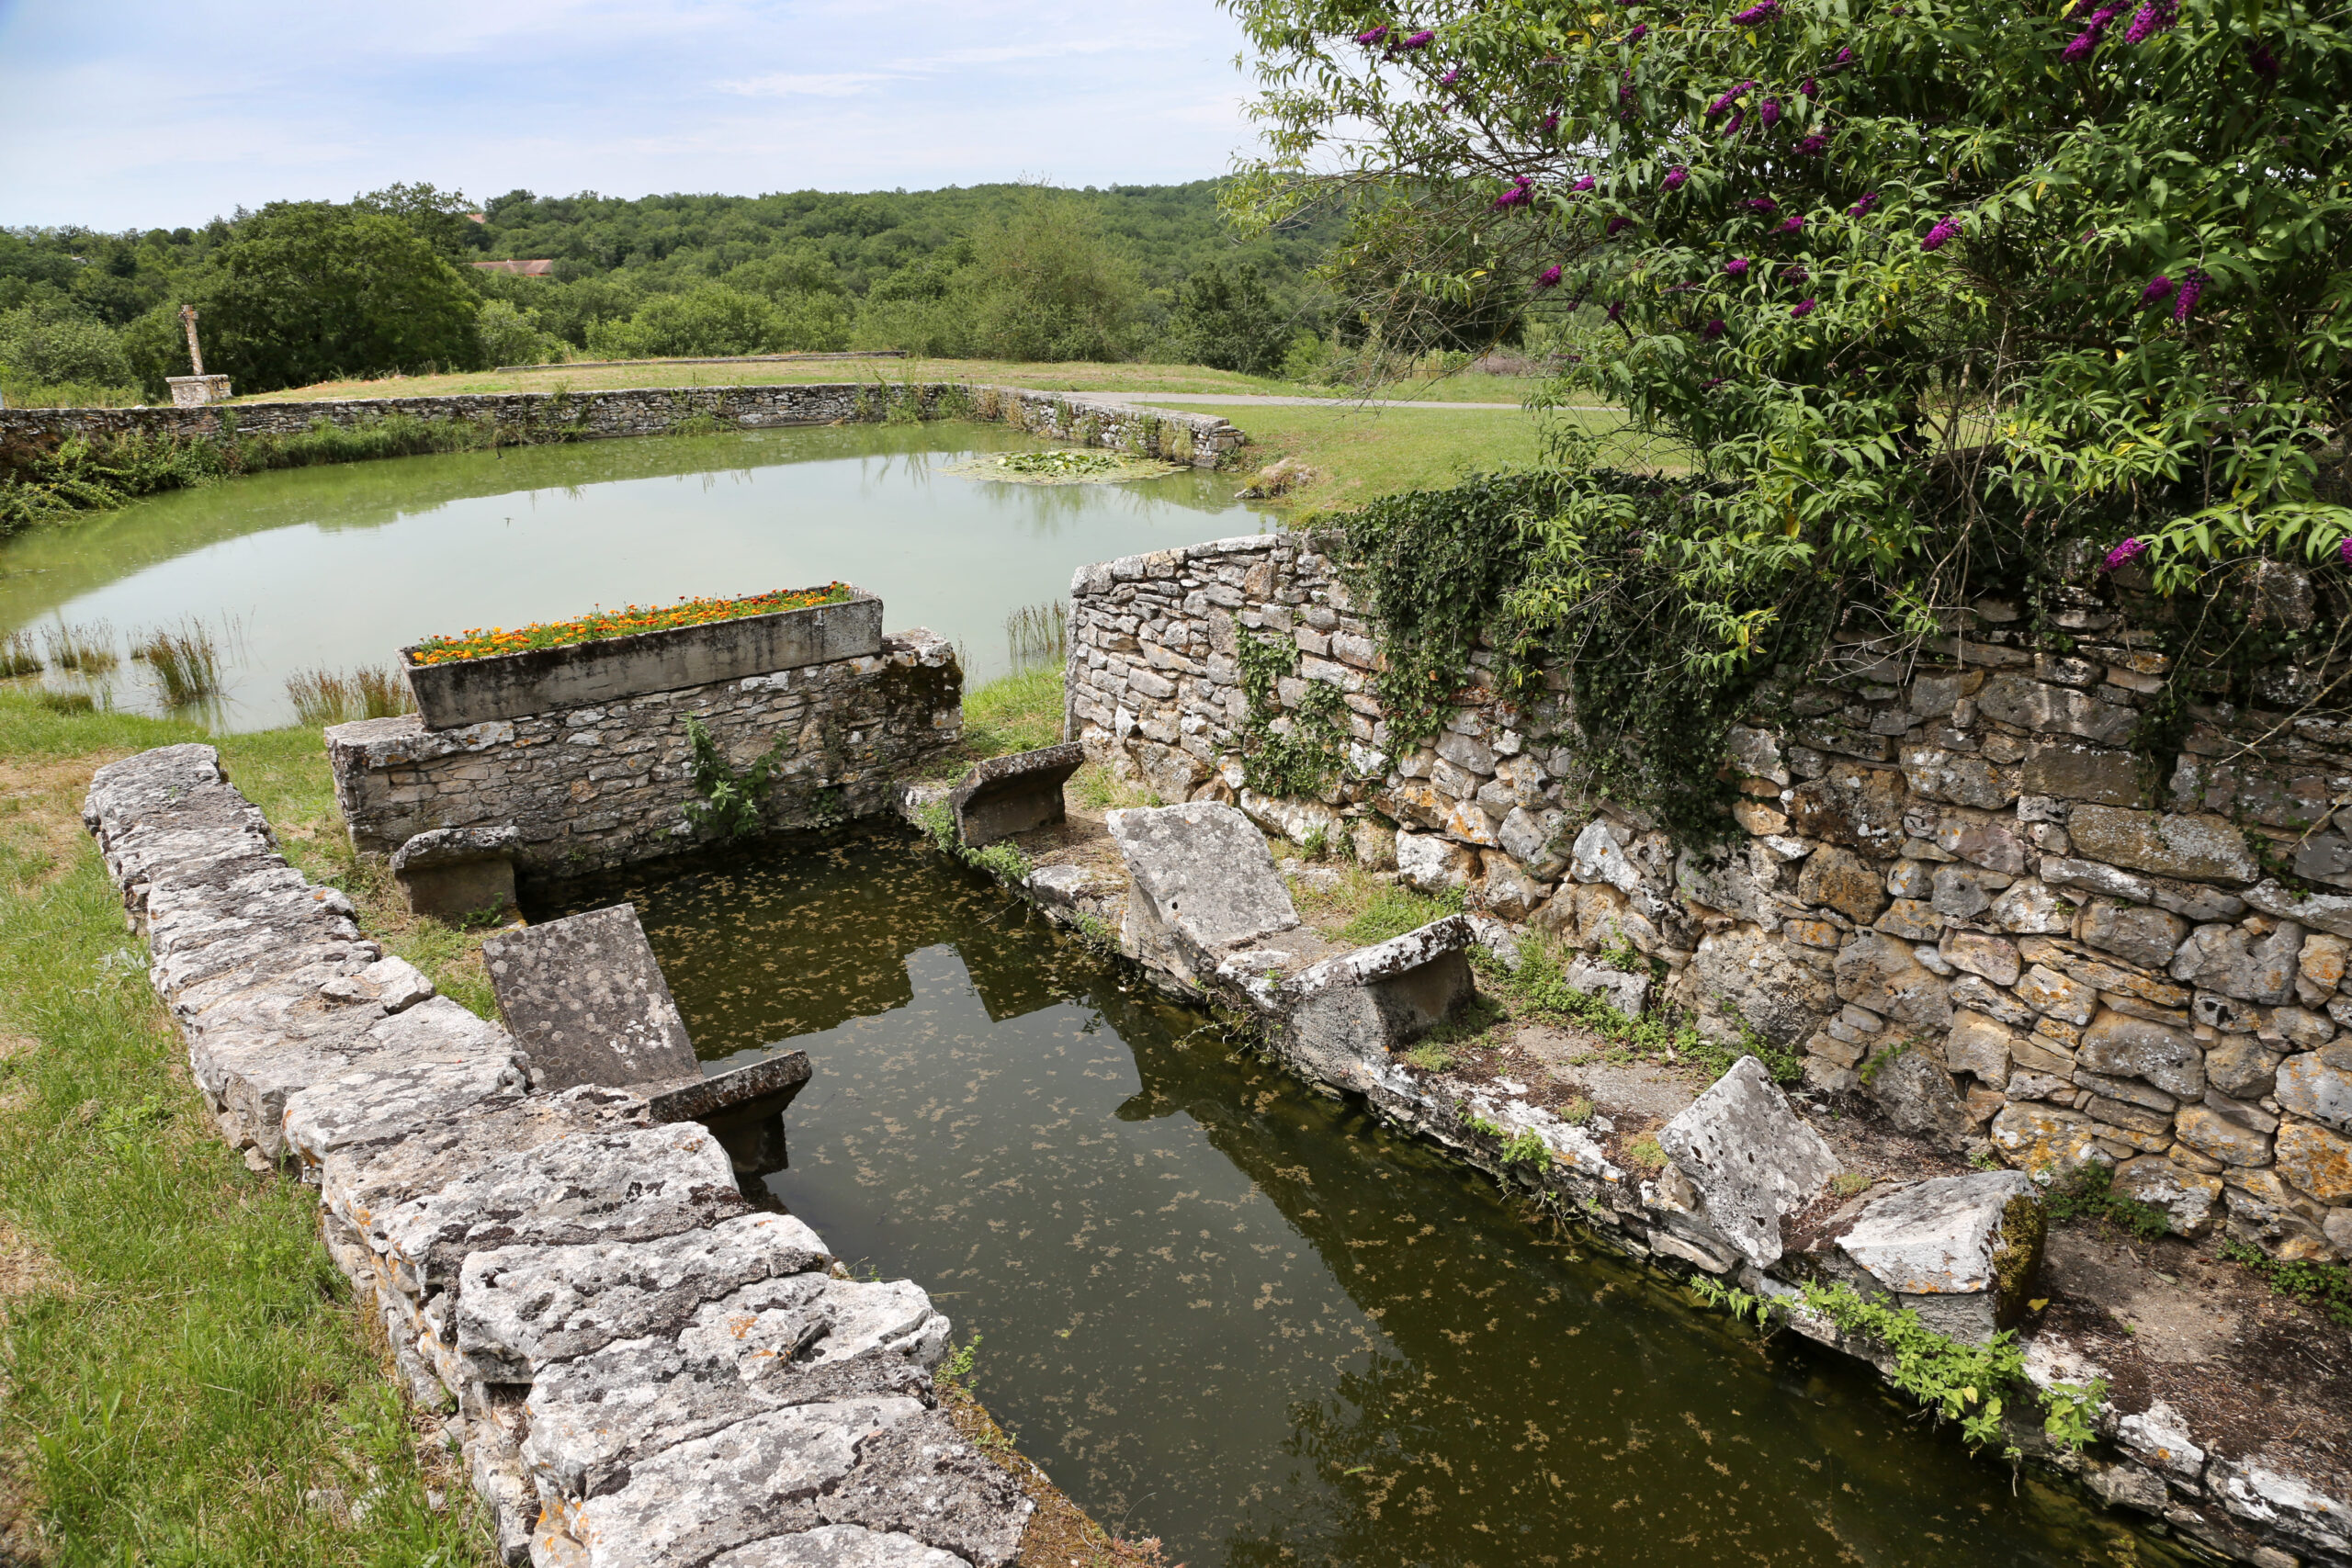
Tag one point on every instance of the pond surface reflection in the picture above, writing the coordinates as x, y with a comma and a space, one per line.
1228, 1312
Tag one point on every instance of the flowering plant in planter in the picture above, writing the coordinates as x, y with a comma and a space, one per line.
601, 625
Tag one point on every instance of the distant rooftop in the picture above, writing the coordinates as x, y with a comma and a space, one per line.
519, 268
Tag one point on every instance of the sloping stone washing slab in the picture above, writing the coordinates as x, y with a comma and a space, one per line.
573, 1215
1749, 1157
586, 998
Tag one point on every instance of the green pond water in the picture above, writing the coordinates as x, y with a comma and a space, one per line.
338, 566
1226, 1311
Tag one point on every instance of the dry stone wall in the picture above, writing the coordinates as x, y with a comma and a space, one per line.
591, 788
644, 1369
1955, 892
1198, 439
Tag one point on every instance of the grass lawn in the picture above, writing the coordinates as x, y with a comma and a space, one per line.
185, 1378
1076, 377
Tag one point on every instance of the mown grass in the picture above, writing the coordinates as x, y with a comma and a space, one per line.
188, 1380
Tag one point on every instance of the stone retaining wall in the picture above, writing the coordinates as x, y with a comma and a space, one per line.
645, 1370
591, 787
1201, 440
1955, 894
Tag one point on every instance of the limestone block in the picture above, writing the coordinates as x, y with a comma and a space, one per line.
1979, 1045
1990, 957
625, 1185
1917, 1094
1751, 1159
922, 1481
2142, 936
1740, 882
2217, 1136
2261, 1496
2318, 1085
392, 985
2031, 908
2160, 1437
838, 1546
2075, 773
2054, 996
450, 873
2234, 961
2338, 1228
521, 1308
375, 1104
1531, 837
1958, 777
1628, 993
2196, 847
1344, 1015
1964, 1252
2316, 1160
1874, 971
1744, 969
2241, 1065
2322, 960
1203, 882
2300, 1028
798, 1339
1375, 842
585, 996
2034, 705
680, 1507
2047, 1141
2190, 1200
1755, 754
2125, 1046
1508, 892
1005, 795
1840, 879
1431, 864
1963, 893
1859, 807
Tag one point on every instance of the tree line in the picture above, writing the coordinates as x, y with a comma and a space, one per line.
306, 291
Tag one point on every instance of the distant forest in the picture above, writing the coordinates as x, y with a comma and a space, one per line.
306, 291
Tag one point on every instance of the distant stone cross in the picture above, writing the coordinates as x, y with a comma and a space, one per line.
194, 355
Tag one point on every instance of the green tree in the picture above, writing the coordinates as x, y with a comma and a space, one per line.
510, 335
1228, 322
308, 292
1047, 284
709, 321
1919, 291
50, 345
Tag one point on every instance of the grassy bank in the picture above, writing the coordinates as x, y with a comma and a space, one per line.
186, 1379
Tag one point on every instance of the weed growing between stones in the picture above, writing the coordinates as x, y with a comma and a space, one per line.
732, 803
1643, 1154
2089, 1193
2325, 1286
1002, 859
1528, 1149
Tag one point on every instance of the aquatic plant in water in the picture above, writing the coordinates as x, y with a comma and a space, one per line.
322, 697
17, 656
88, 650
186, 659
1038, 634
601, 625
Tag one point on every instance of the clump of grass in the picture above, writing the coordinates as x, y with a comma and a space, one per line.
1019, 712
1430, 1056
1038, 634
88, 650
1578, 1113
1396, 909
1845, 1183
18, 656
66, 702
186, 659
2089, 1194
1095, 788
2326, 1286
1644, 1153
324, 697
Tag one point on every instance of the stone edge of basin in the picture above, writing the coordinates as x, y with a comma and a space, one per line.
1701, 1214
413, 1119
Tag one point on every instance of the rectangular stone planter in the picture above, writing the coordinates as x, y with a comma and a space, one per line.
543, 679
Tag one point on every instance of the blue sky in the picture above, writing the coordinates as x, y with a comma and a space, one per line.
115, 114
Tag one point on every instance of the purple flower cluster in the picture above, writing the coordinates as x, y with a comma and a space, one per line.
1422, 40
1791, 225
1761, 204
1714, 329
1373, 37
1813, 146
1842, 59
1728, 99
1677, 178
1521, 192
1731, 126
1613, 225
2265, 63
1861, 209
2151, 18
1802, 308
2124, 554
1641, 30
1582, 186
1549, 277
1809, 88
1771, 113
2192, 289
1551, 122
1736, 267
1453, 74
1945, 230
1616, 309
2159, 290
1762, 11
2093, 30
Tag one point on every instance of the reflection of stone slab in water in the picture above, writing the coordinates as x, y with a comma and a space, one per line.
587, 1000
1005, 795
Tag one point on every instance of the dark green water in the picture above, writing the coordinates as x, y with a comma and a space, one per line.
338, 566
1226, 1311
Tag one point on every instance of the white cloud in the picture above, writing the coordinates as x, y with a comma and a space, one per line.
835, 85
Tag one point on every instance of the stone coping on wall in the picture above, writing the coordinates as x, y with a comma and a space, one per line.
647, 1369
1201, 440
2248, 1494
1954, 892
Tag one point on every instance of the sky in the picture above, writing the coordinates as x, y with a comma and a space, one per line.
121, 114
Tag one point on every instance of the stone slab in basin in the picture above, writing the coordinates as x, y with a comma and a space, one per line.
1005, 795
743, 1108
585, 998
545, 680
